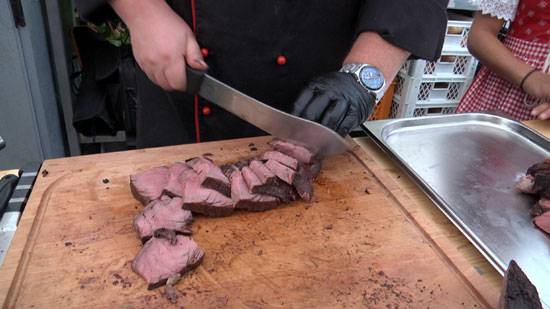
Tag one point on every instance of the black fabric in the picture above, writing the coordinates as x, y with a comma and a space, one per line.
335, 100
7, 185
244, 39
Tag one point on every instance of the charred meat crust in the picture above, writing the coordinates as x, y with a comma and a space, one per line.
187, 269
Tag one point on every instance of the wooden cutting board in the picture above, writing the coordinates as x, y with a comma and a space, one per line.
356, 245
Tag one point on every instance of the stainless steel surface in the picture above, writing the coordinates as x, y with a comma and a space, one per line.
2, 143
277, 123
468, 164
8, 226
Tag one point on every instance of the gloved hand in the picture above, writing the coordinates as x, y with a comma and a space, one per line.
335, 100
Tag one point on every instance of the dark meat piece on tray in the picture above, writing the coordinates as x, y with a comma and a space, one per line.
212, 176
525, 184
244, 199
174, 187
165, 213
543, 222
281, 158
305, 176
268, 184
539, 168
149, 185
199, 199
518, 292
542, 206
300, 153
542, 185
282, 171
166, 255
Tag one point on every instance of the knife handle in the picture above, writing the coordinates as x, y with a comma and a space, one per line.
194, 79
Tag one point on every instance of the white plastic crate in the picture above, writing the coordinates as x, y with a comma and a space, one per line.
427, 96
456, 37
449, 65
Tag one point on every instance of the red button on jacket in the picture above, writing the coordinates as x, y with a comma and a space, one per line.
281, 60
206, 110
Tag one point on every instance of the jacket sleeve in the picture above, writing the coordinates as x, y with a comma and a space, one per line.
418, 26
94, 10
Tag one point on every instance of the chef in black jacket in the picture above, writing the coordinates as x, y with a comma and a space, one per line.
289, 54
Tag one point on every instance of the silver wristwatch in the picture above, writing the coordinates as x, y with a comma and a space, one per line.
369, 76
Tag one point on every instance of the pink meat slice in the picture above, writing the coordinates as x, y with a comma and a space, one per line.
174, 187
161, 258
165, 213
302, 154
199, 199
281, 158
211, 175
250, 178
149, 185
243, 198
543, 222
283, 172
264, 174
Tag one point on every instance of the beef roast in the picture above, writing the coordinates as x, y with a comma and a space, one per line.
199, 199
518, 291
525, 184
281, 158
539, 168
543, 222
269, 184
300, 153
243, 198
542, 185
166, 213
211, 175
542, 206
282, 171
174, 187
149, 185
165, 256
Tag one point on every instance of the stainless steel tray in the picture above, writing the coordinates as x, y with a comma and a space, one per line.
468, 165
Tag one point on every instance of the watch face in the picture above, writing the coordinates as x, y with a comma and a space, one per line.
371, 78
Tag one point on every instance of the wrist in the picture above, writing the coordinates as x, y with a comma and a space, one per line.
526, 77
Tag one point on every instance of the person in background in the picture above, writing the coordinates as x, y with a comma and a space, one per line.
273, 50
514, 77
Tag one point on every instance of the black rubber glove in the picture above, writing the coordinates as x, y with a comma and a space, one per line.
335, 100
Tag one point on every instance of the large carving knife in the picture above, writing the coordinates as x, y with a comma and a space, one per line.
316, 137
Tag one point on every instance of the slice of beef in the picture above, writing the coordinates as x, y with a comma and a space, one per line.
542, 185
542, 206
282, 171
539, 168
300, 153
241, 163
518, 291
268, 183
281, 158
165, 213
525, 184
227, 170
174, 187
199, 199
244, 199
305, 176
164, 256
543, 222
212, 176
149, 185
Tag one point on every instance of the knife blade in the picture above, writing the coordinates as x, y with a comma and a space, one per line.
316, 137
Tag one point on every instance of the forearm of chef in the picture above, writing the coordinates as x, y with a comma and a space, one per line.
132, 11
371, 48
484, 44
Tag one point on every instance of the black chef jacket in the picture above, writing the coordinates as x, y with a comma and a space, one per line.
270, 49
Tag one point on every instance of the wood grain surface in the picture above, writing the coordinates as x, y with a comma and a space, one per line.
358, 245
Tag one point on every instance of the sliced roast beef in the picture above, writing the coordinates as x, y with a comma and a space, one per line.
300, 153
268, 183
243, 198
543, 222
281, 158
282, 171
305, 176
211, 175
166, 213
539, 168
164, 256
542, 185
518, 291
149, 185
525, 184
542, 206
174, 187
199, 199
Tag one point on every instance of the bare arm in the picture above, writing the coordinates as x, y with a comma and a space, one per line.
372, 49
